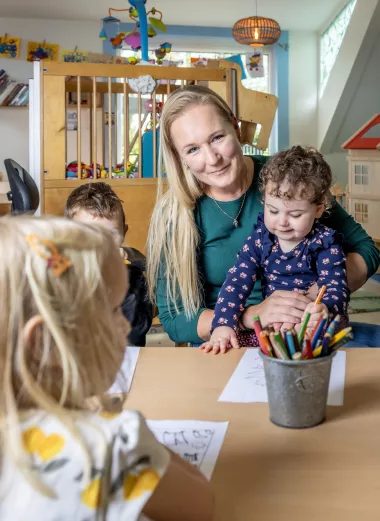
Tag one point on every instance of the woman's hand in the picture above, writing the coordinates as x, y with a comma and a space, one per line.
282, 307
221, 339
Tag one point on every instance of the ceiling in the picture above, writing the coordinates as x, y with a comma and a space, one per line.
307, 15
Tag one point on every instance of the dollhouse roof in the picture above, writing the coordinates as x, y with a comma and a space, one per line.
360, 141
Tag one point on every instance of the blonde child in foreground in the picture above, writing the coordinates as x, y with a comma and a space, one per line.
59, 460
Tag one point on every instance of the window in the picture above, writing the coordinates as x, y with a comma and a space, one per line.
361, 213
331, 40
184, 60
361, 175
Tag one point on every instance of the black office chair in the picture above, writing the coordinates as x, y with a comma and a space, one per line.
24, 192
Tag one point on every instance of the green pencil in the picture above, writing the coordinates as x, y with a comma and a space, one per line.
305, 322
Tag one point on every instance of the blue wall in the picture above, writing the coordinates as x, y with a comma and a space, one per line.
282, 66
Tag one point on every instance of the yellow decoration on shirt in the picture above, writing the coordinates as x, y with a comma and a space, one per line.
91, 496
135, 486
47, 447
109, 415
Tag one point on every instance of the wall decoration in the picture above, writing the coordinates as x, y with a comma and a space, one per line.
255, 65
10, 47
42, 51
75, 56
95, 57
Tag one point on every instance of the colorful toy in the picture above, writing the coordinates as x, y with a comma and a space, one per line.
133, 40
162, 51
117, 41
118, 171
86, 171
145, 27
148, 105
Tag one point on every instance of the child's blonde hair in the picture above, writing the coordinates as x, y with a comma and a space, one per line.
74, 351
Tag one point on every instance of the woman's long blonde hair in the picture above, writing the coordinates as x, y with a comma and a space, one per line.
65, 363
173, 236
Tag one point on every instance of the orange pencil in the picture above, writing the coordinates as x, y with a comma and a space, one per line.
320, 295
265, 345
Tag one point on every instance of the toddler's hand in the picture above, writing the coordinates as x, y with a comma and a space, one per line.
221, 339
316, 311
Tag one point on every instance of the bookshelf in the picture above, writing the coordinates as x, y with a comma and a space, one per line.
13, 94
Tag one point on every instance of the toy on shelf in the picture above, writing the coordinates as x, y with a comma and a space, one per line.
148, 105
86, 171
118, 172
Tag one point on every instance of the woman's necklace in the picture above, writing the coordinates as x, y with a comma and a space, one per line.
234, 219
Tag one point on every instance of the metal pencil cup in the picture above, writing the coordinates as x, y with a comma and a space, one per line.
297, 390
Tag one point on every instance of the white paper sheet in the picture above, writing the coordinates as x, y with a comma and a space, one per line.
124, 378
197, 442
247, 383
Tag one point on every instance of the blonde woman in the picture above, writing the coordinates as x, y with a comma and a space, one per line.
209, 208
62, 341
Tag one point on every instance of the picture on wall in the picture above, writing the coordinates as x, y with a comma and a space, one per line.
42, 51
95, 57
255, 65
73, 56
10, 47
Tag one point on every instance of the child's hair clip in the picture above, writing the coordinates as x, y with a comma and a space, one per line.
48, 251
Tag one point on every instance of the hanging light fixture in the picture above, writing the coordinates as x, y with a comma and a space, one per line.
256, 31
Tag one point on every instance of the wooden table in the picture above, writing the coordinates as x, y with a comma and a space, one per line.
265, 473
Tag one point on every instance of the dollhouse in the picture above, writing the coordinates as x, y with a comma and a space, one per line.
363, 195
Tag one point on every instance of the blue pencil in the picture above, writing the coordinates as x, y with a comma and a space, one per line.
325, 344
318, 332
333, 325
290, 343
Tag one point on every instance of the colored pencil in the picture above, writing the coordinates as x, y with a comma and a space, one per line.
305, 322
333, 325
340, 335
318, 330
326, 344
290, 343
280, 341
264, 341
277, 348
343, 341
295, 338
307, 351
257, 326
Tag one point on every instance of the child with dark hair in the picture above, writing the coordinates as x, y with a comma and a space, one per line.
288, 248
98, 203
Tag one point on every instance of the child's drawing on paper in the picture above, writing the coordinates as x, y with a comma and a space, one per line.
197, 442
42, 51
10, 47
191, 444
75, 56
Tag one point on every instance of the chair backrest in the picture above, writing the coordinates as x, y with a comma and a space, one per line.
24, 193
